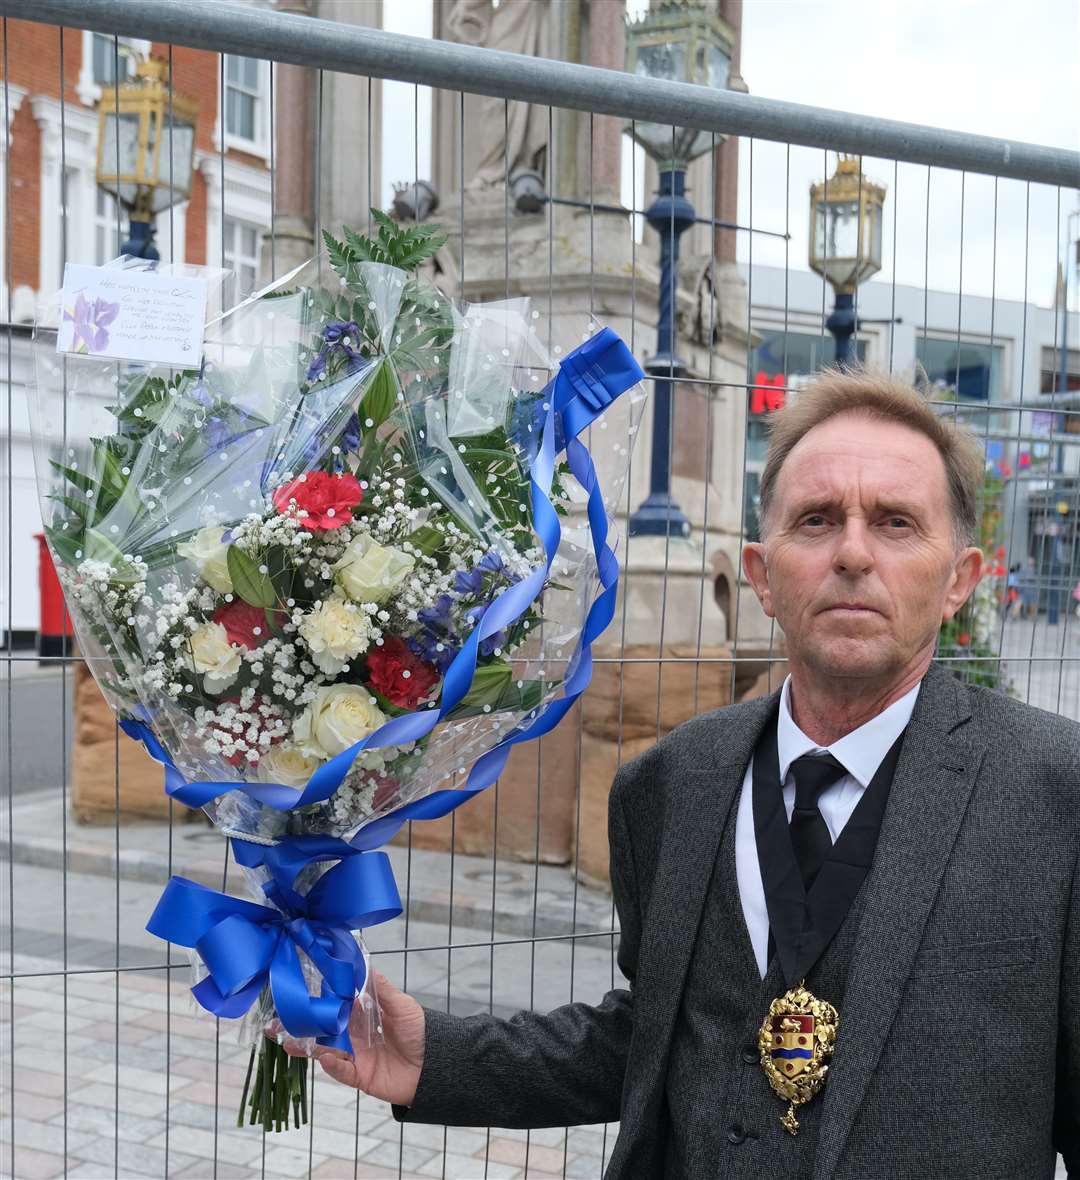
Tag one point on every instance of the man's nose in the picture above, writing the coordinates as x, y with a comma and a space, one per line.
853, 552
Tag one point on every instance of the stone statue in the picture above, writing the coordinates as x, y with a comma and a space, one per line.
516, 135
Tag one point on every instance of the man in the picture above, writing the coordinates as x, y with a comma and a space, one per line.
902, 844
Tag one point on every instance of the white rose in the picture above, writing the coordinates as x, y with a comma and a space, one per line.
338, 717
370, 572
335, 632
213, 656
209, 554
287, 764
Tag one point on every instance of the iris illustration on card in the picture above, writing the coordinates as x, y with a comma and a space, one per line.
132, 314
89, 320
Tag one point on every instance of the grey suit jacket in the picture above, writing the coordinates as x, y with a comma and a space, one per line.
959, 1046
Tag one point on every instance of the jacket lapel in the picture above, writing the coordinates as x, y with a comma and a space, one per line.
698, 806
934, 779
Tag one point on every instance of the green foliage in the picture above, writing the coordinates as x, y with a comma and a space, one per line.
394, 245
962, 640
248, 580
493, 685
381, 397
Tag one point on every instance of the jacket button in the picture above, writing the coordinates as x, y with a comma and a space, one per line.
750, 1054
736, 1135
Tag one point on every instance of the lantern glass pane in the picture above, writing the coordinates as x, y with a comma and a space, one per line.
874, 236
666, 61
119, 153
174, 163
838, 230
656, 138
719, 68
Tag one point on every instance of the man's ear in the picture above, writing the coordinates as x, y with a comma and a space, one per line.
757, 573
965, 578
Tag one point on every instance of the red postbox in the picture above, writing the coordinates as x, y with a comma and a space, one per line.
54, 627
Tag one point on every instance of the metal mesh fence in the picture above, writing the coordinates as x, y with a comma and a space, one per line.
107, 1069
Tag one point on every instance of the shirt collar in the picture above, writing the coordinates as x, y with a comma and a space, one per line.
860, 752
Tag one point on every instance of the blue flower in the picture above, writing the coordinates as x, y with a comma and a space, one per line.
487, 646
437, 642
350, 436
339, 329
317, 366
471, 583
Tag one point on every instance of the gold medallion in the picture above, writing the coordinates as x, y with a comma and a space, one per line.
795, 1040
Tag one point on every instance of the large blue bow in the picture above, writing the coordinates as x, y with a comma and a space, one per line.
244, 944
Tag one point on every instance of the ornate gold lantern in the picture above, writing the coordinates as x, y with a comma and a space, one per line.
845, 227
146, 148
678, 41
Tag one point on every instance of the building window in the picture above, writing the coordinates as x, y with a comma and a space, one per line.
970, 369
99, 63
243, 93
242, 252
1060, 373
104, 53
107, 230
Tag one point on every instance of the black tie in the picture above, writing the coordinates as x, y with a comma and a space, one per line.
809, 833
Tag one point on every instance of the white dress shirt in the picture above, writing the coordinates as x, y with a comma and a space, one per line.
860, 752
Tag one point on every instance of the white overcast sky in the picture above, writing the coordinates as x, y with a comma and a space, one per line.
994, 67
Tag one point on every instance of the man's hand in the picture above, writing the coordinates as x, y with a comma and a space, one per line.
390, 1070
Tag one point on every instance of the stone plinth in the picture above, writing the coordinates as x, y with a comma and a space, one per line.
109, 770
634, 700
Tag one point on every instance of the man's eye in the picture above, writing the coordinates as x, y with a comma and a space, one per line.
899, 522
814, 520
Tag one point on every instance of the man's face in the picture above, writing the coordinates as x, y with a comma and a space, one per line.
860, 566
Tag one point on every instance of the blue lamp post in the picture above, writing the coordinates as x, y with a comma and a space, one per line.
678, 41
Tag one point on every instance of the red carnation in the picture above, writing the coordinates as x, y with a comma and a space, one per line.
245, 625
397, 674
999, 551
963, 639
327, 499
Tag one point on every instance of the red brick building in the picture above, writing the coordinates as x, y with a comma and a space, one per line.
53, 150
58, 213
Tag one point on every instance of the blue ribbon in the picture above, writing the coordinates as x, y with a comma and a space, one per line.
589, 379
245, 945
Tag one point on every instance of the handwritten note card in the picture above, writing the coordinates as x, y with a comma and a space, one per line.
133, 315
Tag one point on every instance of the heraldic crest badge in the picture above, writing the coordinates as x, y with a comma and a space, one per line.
795, 1041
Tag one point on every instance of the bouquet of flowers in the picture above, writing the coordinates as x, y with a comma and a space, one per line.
329, 575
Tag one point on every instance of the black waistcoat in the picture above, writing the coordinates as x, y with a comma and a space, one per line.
724, 1116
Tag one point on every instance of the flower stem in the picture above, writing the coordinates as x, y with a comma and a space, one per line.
280, 1083
247, 1082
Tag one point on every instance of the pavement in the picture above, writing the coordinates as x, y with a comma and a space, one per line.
134, 1074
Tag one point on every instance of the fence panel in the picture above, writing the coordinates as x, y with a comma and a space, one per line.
107, 1066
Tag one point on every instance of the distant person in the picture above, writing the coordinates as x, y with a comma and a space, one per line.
1012, 592
1028, 582
900, 842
